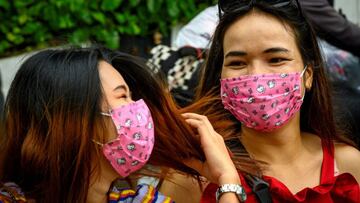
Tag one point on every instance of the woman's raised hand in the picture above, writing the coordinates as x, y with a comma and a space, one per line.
218, 167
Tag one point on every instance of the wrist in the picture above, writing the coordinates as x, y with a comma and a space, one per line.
229, 190
229, 178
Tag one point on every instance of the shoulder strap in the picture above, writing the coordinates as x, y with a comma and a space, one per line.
260, 188
328, 164
258, 185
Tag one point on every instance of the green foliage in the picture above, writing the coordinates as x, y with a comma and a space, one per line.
28, 24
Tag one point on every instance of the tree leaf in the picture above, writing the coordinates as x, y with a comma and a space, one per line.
134, 3
65, 21
110, 5
5, 4
151, 5
31, 28
100, 17
173, 8
135, 28
120, 17
4, 45
85, 16
79, 36
14, 38
22, 19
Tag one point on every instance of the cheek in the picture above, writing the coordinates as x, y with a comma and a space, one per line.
223, 73
111, 133
230, 73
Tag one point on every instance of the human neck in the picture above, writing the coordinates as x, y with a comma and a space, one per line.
282, 146
101, 182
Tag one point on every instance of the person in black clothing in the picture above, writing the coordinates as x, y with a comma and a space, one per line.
331, 26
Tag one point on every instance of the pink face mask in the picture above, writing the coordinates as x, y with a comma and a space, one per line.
264, 102
135, 138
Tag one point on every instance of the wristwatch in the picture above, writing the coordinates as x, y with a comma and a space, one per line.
234, 188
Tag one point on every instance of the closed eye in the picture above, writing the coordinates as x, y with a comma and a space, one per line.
121, 91
123, 96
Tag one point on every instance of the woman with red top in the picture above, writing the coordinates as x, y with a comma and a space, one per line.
264, 81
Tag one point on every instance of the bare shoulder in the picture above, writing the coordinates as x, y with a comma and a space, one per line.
312, 142
348, 159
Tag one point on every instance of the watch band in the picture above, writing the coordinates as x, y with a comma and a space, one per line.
234, 188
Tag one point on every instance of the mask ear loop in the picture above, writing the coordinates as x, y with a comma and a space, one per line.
96, 142
303, 72
105, 114
301, 76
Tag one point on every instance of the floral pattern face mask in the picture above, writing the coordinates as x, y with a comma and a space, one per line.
263, 102
132, 147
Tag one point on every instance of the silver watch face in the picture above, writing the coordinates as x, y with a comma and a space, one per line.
234, 188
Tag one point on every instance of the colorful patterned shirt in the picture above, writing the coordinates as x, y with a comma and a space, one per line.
10, 193
144, 194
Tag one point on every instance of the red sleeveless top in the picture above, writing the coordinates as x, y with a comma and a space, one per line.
341, 188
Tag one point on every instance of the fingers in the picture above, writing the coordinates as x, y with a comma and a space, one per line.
203, 119
192, 115
196, 116
218, 166
203, 125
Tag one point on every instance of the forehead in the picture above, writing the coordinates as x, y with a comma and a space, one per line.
109, 76
257, 31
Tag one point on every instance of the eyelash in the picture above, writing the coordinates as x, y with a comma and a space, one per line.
125, 96
278, 60
236, 63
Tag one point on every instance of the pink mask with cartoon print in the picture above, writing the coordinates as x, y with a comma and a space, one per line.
135, 138
263, 102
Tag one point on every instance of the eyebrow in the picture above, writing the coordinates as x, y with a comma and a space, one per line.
120, 87
270, 50
276, 50
235, 53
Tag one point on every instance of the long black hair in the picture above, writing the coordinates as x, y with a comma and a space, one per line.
316, 112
